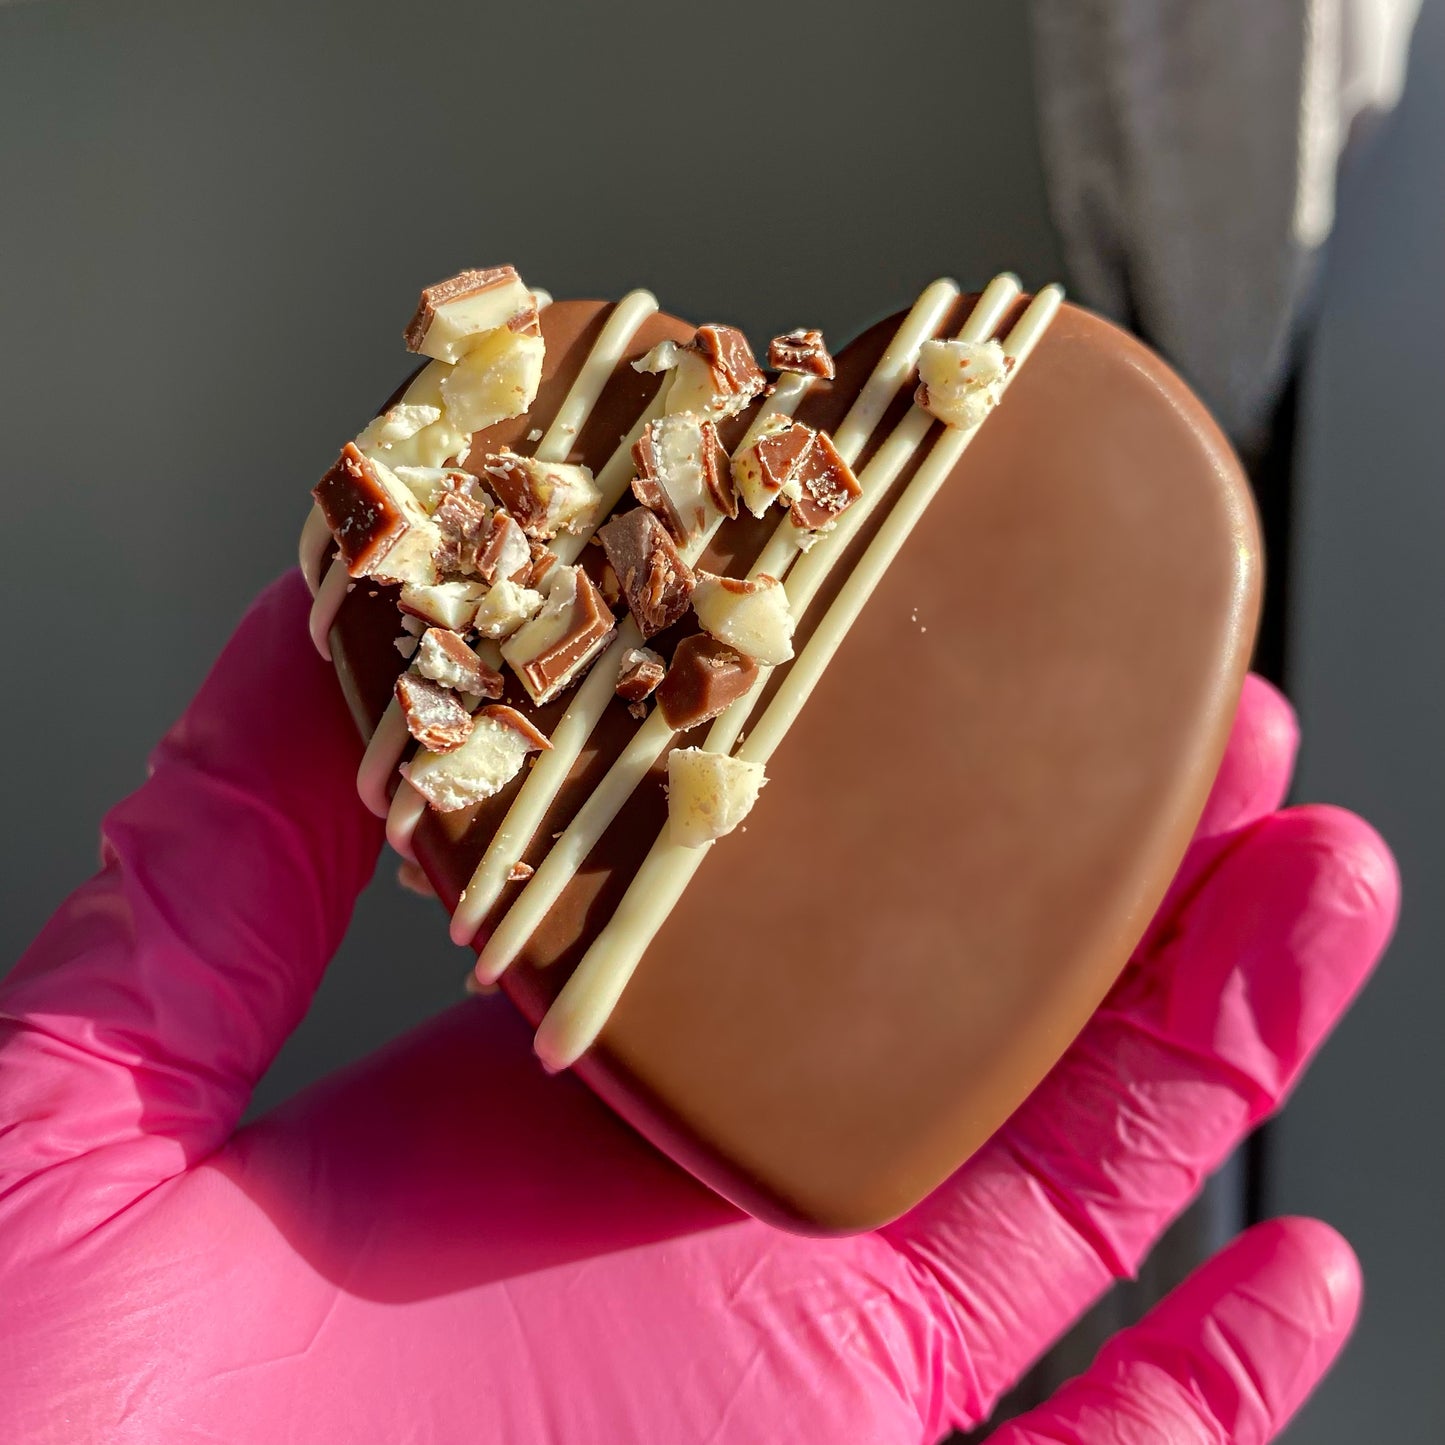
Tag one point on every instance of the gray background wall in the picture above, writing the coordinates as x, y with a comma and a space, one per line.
184, 187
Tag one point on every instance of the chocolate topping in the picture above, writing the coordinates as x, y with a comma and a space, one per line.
821, 485
504, 555
371, 515
445, 658
801, 350
434, 714
545, 498
705, 678
655, 580
461, 287
639, 673
552, 651
462, 519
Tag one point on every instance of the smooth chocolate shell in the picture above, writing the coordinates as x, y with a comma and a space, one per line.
966, 831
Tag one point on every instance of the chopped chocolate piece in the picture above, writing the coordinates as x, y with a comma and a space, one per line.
462, 518
655, 580
802, 350
709, 794
761, 469
397, 425
544, 497
750, 614
429, 484
705, 678
716, 374
519, 872
638, 709
662, 357
543, 560
490, 758
682, 474
380, 527
960, 381
792, 461
496, 379
444, 657
455, 312
504, 555
504, 609
639, 673
448, 604
554, 649
434, 714
821, 486
406, 645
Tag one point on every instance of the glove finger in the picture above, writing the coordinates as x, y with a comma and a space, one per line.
1253, 778
1228, 1356
1190, 1051
160, 991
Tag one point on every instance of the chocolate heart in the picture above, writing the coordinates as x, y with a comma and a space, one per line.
965, 834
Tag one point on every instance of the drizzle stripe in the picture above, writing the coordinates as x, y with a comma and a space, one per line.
650, 741
582, 1008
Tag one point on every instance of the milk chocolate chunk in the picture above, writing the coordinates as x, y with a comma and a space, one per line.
504, 555
445, 658
483, 765
682, 474
543, 560
655, 580
544, 497
802, 350
454, 312
520, 872
463, 521
380, 527
960, 381
638, 674
448, 604
434, 714
716, 374
429, 484
705, 678
553, 650
750, 614
762, 469
709, 794
820, 486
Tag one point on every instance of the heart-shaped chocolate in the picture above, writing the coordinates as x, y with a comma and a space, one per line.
984, 796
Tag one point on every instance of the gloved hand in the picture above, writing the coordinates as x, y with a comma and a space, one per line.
442, 1244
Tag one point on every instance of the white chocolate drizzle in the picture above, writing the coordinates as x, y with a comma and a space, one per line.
582, 1008
651, 740
551, 770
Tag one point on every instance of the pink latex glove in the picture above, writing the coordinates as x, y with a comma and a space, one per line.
442, 1244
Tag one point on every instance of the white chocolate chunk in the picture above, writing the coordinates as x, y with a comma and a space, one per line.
402, 421
679, 449
433, 444
428, 483
662, 357
489, 759
434, 661
751, 615
960, 381
496, 379
708, 794
504, 609
457, 325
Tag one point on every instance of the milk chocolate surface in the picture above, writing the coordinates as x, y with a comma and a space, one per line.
858, 989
